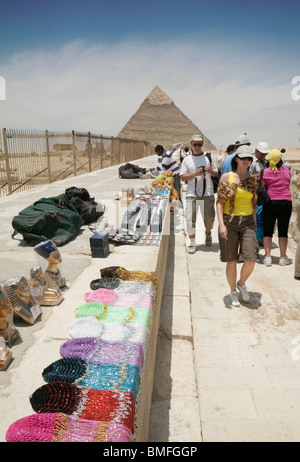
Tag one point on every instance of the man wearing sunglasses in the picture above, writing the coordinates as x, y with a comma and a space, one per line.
197, 170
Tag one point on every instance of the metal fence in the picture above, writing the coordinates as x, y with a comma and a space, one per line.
29, 158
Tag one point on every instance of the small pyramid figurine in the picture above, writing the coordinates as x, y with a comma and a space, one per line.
7, 328
22, 301
49, 251
45, 291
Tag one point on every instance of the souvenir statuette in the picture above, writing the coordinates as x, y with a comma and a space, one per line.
7, 328
5, 355
22, 301
43, 289
49, 251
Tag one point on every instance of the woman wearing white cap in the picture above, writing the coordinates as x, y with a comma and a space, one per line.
236, 212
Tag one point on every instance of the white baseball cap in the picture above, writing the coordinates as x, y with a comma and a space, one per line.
244, 151
263, 147
243, 139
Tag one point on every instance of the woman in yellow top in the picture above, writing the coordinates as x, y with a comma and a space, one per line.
236, 212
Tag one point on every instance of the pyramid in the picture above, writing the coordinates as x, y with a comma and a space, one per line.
159, 121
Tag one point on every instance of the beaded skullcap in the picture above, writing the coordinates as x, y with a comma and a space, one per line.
121, 273
98, 351
125, 300
125, 287
85, 403
96, 376
86, 327
56, 397
65, 369
105, 296
62, 428
111, 331
114, 313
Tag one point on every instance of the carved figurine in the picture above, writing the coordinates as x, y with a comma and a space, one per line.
22, 301
7, 328
50, 252
44, 290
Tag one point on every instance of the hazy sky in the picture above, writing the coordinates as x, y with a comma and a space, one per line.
89, 65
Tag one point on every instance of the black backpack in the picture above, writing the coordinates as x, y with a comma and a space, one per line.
215, 179
85, 205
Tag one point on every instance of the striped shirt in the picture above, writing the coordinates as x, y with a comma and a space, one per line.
168, 163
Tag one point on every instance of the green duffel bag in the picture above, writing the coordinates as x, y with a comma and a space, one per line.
53, 218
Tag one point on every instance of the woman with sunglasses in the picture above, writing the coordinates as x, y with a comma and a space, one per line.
236, 212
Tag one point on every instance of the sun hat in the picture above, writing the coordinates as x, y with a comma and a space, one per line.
274, 157
59, 427
244, 151
263, 147
197, 138
85, 403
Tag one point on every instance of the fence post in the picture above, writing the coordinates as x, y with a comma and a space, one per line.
101, 153
74, 152
48, 155
112, 159
90, 152
7, 161
118, 150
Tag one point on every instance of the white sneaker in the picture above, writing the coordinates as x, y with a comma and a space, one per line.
191, 245
234, 299
283, 261
243, 290
267, 261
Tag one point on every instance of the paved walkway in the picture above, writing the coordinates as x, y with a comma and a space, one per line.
222, 373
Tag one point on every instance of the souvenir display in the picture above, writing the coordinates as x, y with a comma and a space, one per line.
22, 301
142, 221
7, 328
43, 289
49, 251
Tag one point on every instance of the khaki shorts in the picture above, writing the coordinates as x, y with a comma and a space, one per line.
241, 233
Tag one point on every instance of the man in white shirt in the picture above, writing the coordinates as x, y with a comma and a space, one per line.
197, 170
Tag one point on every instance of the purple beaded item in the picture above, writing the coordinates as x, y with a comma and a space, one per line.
97, 351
